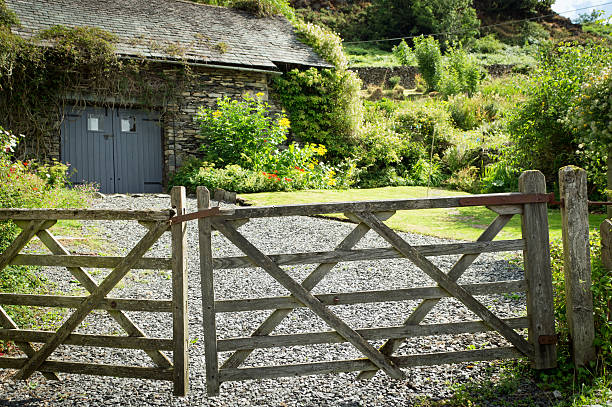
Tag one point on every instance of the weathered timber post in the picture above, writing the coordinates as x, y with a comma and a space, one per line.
609, 176
540, 306
606, 243
577, 262
180, 322
208, 296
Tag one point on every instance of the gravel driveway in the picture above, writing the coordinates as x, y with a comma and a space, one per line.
273, 235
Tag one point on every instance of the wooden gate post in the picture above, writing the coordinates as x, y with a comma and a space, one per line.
208, 296
606, 243
538, 274
180, 322
577, 263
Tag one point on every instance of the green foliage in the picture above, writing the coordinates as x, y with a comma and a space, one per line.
240, 132
602, 298
348, 19
260, 8
468, 113
324, 107
591, 119
429, 60
235, 178
392, 18
543, 137
7, 17
22, 188
516, 8
243, 143
403, 54
459, 74
489, 44
326, 43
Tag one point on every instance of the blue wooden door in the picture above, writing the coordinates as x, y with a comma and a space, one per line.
119, 149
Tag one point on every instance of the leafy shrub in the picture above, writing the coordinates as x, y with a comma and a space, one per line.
21, 188
427, 123
240, 132
602, 298
321, 107
499, 176
543, 137
429, 59
325, 105
470, 113
261, 8
461, 73
235, 178
489, 44
591, 119
393, 81
398, 18
465, 179
403, 54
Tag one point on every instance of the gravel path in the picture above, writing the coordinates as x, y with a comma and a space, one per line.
273, 236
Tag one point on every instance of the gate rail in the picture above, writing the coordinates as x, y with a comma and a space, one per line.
530, 203
36, 222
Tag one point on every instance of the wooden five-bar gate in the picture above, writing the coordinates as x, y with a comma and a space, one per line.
530, 204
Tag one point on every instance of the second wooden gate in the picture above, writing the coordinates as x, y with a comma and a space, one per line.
539, 347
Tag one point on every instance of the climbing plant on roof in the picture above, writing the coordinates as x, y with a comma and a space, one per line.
38, 75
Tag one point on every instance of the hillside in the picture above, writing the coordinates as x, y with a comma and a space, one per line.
371, 20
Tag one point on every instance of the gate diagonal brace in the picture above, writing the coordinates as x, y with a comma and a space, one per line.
310, 282
90, 303
304, 296
446, 283
47, 238
423, 309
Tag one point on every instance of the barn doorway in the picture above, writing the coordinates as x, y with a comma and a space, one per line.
119, 149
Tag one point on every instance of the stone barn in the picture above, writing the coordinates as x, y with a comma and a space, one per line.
125, 146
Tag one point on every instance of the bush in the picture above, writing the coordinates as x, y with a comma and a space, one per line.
21, 188
461, 73
591, 119
427, 123
489, 44
393, 81
544, 138
235, 178
429, 59
240, 132
321, 107
602, 298
470, 113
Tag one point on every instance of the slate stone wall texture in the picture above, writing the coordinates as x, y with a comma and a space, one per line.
380, 75
202, 87
180, 131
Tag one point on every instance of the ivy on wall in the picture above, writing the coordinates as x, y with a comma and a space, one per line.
39, 75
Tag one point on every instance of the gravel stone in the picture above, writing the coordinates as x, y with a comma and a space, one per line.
272, 235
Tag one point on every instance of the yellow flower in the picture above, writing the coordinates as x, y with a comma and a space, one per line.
259, 95
331, 182
284, 122
311, 166
217, 113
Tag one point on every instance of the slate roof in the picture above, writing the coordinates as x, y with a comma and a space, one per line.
165, 29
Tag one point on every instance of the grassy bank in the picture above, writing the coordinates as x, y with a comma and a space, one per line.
452, 223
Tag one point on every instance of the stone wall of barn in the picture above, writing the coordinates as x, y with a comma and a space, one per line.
177, 107
180, 129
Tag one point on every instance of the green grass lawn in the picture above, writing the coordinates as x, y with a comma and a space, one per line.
453, 223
